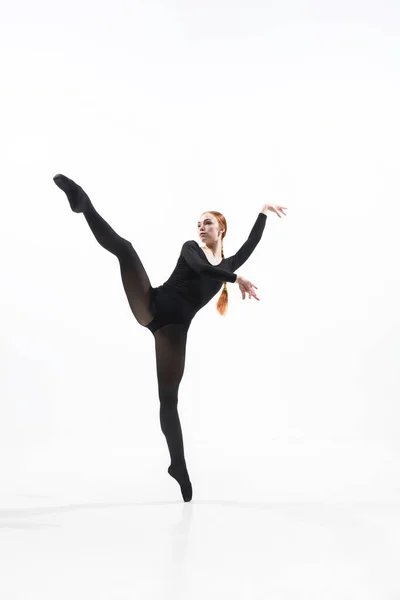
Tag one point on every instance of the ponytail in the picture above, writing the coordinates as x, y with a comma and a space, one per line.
222, 304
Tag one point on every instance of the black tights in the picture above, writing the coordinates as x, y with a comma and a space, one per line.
170, 340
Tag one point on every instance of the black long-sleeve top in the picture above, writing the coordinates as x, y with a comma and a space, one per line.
196, 280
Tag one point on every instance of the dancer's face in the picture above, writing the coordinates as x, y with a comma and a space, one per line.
208, 225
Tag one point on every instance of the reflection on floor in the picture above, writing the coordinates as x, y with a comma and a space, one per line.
105, 540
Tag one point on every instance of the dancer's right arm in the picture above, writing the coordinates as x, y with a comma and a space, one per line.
197, 263
200, 266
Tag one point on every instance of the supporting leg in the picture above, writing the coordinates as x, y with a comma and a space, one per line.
170, 343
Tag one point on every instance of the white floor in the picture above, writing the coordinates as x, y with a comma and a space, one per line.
70, 537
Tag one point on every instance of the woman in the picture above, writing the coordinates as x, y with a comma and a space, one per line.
168, 310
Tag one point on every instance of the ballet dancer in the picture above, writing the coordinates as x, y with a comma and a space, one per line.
168, 310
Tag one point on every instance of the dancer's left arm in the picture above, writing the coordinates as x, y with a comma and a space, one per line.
245, 251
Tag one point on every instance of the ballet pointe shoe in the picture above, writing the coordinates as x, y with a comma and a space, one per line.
182, 477
77, 198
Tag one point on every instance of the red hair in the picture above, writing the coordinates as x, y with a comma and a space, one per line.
222, 304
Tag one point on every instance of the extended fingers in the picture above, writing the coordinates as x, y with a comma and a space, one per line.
249, 289
279, 209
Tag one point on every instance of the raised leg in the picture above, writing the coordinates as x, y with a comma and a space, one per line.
134, 277
170, 343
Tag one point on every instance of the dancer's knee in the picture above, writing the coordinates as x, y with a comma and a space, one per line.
125, 249
168, 398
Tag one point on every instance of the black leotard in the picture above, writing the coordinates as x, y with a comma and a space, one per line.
194, 281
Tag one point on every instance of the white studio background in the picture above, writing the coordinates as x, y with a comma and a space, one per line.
162, 110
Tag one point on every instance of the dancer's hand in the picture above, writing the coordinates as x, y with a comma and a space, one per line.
246, 286
276, 208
